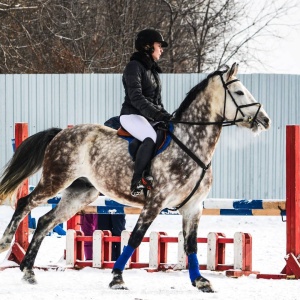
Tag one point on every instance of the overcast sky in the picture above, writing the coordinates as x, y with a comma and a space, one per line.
281, 56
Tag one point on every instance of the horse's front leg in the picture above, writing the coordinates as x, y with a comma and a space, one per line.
146, 218
190, 220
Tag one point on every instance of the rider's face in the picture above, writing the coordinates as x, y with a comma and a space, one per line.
158, 50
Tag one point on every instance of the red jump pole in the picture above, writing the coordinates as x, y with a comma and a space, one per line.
292, 267
292, 201
21, 237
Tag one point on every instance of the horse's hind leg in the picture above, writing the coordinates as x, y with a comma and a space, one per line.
74, 199
24, 207
46, 189
45, 224
191, 218
21, 211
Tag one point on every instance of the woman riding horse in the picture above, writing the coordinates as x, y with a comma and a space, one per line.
143, 104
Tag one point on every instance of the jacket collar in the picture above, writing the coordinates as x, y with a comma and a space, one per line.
146, 61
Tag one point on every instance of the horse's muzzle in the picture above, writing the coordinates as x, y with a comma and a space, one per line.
266, 122
260, 123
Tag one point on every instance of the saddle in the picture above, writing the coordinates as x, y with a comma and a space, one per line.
163, 139
162, 142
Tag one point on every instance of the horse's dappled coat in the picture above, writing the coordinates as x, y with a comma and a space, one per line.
95, 152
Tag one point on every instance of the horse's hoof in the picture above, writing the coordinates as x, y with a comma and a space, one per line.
117, 283
203, 285
118, 286
29, 276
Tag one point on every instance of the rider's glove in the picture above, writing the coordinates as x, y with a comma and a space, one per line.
163, 116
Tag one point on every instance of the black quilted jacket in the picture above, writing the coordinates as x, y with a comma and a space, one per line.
142, 87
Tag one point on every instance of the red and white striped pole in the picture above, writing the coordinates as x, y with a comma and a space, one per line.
21, 237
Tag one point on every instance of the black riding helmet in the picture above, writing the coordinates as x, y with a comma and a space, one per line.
148, 37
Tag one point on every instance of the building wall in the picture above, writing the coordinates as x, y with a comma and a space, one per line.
244, 166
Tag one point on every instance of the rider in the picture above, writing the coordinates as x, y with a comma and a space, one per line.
142, 107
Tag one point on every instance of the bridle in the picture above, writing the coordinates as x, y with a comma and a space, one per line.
223, 123
239, 108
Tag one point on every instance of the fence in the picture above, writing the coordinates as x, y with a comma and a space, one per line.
244, 167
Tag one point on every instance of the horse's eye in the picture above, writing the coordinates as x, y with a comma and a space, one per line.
240, 93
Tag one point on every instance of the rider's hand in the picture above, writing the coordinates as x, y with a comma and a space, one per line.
163, 116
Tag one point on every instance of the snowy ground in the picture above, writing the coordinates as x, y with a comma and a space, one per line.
268, 235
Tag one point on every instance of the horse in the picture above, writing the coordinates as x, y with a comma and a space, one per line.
87, 159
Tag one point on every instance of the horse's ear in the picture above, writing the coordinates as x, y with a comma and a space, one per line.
233, 70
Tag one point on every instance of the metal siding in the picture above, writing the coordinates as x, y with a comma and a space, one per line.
244, 166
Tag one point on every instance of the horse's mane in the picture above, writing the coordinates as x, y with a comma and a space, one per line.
191, 95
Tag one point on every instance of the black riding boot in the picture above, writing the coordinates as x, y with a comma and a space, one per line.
142, 160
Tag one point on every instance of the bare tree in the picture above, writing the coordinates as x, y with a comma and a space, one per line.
86, 36
250, 24
205, 34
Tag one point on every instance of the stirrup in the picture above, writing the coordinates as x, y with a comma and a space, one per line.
137, 188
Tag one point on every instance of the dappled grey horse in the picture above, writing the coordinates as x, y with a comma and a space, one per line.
182, 172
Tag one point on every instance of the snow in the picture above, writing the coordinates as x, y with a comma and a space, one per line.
268, 233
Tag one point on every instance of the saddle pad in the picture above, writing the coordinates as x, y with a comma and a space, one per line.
122, 133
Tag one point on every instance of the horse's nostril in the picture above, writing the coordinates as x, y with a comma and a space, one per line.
266, 120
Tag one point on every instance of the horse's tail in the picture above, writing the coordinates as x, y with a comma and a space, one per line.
27, 160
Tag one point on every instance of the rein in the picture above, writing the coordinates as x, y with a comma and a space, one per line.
222, 123
200, 164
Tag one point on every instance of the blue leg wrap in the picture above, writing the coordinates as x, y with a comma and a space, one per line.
193, 266
123, 258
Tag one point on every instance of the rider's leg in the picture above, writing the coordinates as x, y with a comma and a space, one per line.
140, 128
142, 159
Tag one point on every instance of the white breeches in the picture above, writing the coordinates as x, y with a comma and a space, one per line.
138, 126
